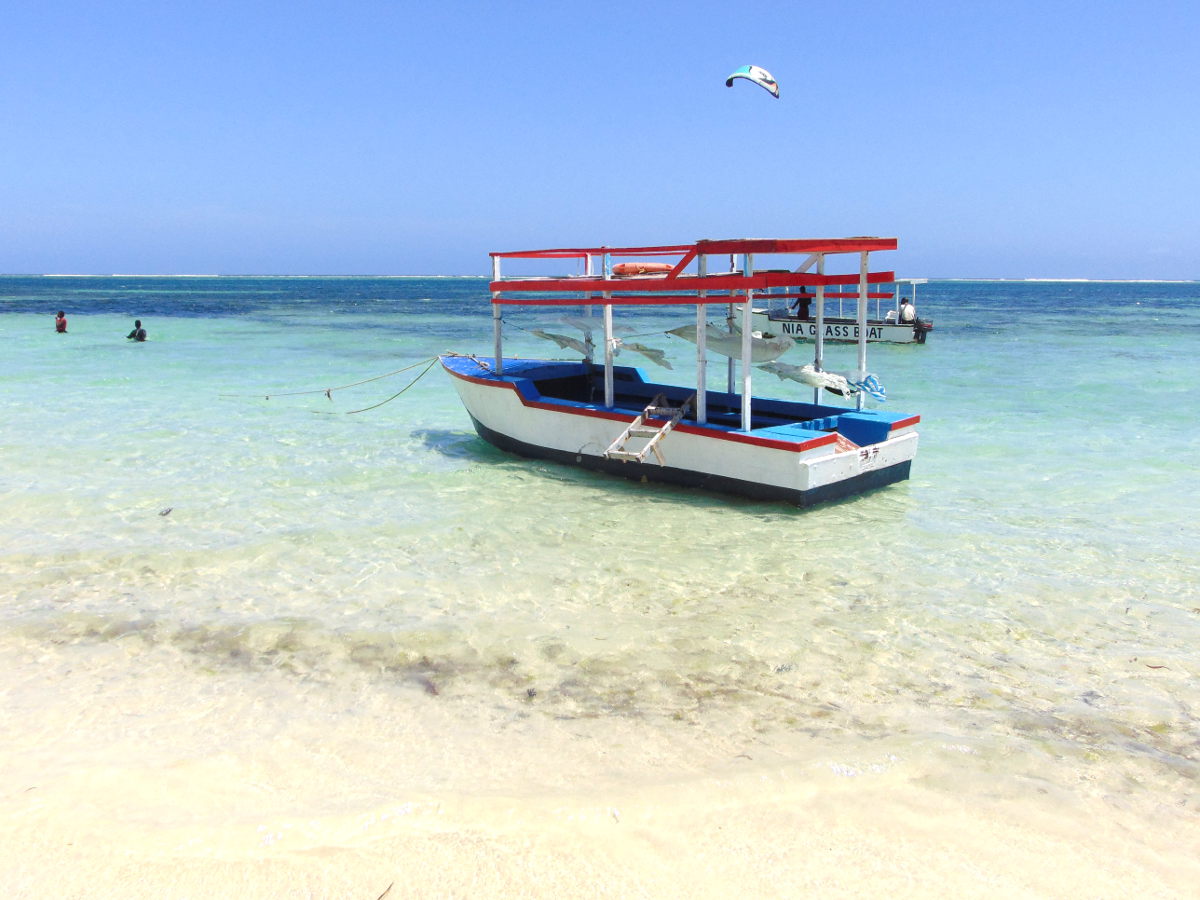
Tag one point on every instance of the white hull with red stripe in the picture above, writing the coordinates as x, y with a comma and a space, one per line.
800, 453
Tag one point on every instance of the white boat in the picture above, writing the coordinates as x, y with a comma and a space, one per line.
792, 315
611, 418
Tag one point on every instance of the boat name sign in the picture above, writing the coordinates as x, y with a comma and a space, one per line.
809, 329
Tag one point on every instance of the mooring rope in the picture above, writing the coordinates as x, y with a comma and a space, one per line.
395, 395
341, 387
473, 358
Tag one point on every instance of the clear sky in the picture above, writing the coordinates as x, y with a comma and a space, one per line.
1025, 138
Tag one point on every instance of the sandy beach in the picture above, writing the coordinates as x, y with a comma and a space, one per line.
246, 790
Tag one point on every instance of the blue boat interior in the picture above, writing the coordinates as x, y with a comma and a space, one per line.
581, 385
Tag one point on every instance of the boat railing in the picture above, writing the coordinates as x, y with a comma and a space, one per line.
687, 280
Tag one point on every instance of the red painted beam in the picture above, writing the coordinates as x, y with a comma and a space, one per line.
654, 283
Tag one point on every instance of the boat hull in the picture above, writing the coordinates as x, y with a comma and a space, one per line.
794, 463
723, 484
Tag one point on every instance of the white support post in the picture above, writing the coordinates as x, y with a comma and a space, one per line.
819, 356
747, 347
730, 364
497, 343
588, 342
606, 272
747, 357
608, 353
863, 268
702, 347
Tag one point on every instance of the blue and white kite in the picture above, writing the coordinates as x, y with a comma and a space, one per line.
759, 76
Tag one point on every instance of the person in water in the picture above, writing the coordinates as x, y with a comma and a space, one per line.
60, 322
138, 333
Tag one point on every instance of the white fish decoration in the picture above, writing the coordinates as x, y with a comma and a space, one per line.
762, 349
831, 381
566, 343
651, 353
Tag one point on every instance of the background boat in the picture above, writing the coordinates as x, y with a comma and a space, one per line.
885, 320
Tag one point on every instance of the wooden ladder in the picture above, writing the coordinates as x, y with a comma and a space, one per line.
638, 428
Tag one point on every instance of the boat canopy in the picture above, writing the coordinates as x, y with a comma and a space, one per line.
692, 279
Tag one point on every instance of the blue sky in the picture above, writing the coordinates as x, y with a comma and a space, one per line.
995, 139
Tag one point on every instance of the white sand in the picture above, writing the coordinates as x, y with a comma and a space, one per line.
262, 786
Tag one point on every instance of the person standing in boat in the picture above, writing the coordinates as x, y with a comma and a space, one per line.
138, 333
801, 307
908, 312
60, 322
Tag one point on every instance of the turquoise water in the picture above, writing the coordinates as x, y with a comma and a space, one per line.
1019, 620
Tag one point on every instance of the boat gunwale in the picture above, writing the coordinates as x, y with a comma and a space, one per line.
713, 430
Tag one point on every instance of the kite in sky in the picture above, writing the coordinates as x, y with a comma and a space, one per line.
759, 76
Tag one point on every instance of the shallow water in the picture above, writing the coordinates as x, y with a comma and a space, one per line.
222, 611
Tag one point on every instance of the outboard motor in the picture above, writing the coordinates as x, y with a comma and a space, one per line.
921, 328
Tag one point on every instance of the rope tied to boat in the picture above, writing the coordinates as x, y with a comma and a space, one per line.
328, 392
398, 393
341, 387
473, 358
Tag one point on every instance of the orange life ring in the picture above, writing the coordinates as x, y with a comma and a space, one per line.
641, 268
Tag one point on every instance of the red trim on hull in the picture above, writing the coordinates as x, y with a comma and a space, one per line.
864, 481
737, 437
